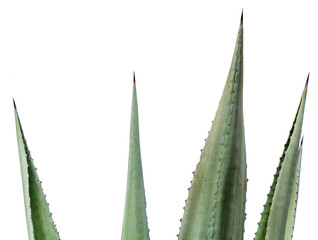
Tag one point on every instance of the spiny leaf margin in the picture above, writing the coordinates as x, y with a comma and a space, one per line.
135, 223
265, 223
215, 208
38, 216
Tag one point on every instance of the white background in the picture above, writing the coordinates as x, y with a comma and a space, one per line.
69, 66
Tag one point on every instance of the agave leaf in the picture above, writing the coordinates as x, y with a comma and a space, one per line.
277, 218
215, 208
293, 200
135, 224
39, 219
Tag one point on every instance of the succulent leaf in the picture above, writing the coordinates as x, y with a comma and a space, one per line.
38, 216
294, 197
135, 224
277, 218
215, 208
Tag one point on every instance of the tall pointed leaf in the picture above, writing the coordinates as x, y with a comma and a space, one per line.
135, 224
215, 208
294, 198
277, 217
39, 219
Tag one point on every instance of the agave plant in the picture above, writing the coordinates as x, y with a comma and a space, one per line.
215, 208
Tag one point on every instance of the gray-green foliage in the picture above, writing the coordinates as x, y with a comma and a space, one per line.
215, 208
135, 225
39, 219
280, 208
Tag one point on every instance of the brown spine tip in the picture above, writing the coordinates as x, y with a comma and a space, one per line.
307, 80
15, 107
134, 78
242, 18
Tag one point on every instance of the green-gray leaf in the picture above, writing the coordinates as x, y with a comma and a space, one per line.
135, 224
215, 208
279, 210
39, 219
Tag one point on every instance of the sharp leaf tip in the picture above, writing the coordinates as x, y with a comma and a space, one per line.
242, 18
307, 79
15, 106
